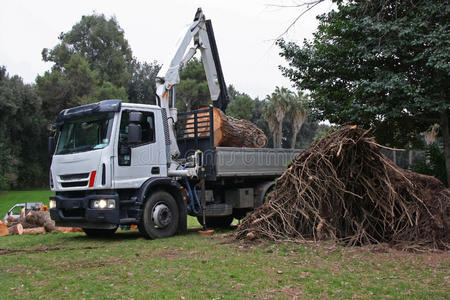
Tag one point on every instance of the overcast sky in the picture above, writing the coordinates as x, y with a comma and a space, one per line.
245, 32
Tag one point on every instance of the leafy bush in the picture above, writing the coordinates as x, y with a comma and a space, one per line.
436, 165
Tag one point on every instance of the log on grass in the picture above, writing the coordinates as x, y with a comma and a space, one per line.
68, 229
35, 230
16, 229
39, 219
228, 131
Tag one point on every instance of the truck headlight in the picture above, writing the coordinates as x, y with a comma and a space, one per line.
52, 204
103, 203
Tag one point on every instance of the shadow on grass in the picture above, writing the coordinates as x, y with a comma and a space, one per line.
125, 235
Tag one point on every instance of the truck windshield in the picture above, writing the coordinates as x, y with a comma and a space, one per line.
84, 134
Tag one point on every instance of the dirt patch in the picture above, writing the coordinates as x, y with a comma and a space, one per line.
40, 249
169, 254
89, 264
292, 292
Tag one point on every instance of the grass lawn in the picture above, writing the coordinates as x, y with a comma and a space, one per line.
67, 266
62, 266
8, 199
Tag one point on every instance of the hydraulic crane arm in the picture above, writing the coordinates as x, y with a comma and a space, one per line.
201, 33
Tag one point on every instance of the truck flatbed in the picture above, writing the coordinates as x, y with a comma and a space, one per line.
236, 161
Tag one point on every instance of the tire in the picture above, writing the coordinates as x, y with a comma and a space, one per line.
161, 216
99, 232
216, 222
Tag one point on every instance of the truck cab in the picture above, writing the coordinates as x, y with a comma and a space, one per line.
105, 153
94, 142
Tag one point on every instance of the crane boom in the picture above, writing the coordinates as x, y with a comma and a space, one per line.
201, 33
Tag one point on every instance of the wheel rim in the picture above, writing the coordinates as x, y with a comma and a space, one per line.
161, 215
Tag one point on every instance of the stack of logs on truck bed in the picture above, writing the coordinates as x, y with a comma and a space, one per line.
33, 222
228, 131
342, 188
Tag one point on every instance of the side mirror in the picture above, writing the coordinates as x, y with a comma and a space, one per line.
135, 117
51, 139
51, 145
134, 133
134, 128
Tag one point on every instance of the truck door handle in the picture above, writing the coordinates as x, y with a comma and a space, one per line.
155, 170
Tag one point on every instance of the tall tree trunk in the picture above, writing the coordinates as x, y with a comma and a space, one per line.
294, 138
274, 130
410, 156
275, 138
446, 137
280, 135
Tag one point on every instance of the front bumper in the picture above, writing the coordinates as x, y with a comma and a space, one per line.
76, 212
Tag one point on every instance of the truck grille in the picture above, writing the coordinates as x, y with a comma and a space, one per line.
74, 180
74, 176
74, 184
79, 212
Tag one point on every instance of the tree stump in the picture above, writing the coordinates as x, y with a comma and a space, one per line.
228, 131
16, 229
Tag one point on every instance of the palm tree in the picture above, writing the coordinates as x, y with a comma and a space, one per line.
297, 114
269, 116
276, 109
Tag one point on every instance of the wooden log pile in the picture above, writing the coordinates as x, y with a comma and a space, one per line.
344, 189
228, 131
34, 222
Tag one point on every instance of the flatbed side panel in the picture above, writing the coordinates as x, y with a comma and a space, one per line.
235, 161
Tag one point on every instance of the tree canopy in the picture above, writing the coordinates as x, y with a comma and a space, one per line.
101, 42
23, 156
92, 62
142, 87
192, 92
381, 64
241, 107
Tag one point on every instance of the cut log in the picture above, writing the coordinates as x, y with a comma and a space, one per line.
16, 229
11, 220
228, 131
68, 229
35, 230
39, 219
49, 226
3, 229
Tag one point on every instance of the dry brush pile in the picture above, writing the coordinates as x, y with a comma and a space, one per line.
343, 188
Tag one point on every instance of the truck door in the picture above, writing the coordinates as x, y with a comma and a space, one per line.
136, 163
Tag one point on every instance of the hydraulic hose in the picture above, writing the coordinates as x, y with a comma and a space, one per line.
191, 196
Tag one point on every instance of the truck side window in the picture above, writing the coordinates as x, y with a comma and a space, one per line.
147, 125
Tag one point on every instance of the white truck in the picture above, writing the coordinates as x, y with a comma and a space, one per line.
117, 163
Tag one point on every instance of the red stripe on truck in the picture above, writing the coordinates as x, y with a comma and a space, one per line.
92, 179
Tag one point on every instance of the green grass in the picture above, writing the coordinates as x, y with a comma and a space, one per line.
128, 266
62, 266
8, 199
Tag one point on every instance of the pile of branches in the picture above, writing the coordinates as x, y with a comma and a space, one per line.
342, 188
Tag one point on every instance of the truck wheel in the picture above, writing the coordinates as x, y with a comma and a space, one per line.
160, 216
216, 222
99, 232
